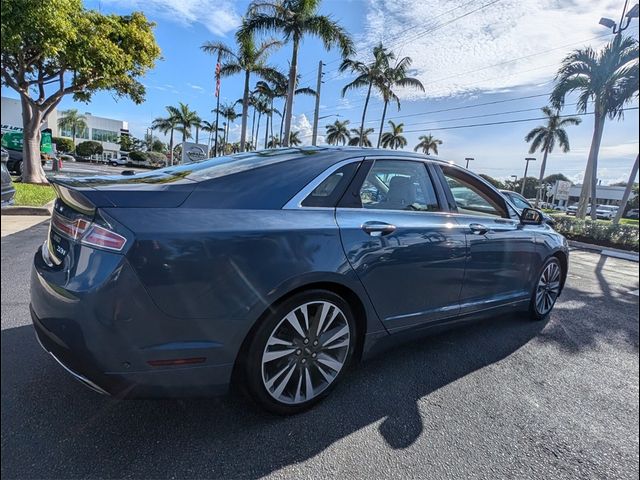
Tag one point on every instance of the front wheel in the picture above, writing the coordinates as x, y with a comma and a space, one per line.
300, 351
547, 290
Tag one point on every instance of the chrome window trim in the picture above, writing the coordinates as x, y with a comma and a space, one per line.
296, 201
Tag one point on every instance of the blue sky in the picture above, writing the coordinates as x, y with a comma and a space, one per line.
465, 52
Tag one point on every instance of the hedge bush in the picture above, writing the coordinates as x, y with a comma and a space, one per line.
598, 232
155, 159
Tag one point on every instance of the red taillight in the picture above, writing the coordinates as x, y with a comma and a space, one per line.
73, 229
176, 361
98, 236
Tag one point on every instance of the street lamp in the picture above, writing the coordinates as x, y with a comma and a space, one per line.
526, 169
619, 27
469, 159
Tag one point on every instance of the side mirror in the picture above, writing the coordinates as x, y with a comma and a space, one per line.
531, 216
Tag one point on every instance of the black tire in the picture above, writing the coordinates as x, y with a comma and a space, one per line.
536, 312
252, 372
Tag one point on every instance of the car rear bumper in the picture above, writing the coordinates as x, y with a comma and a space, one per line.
109, 334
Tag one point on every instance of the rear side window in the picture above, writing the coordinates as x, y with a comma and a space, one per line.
398, 185
331, 188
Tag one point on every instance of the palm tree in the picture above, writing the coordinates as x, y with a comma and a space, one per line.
605, 78
338, 132
227, 111
166, 125
395, 76
394, 139
295, 19
361, 137
210, 128
248, 59
73, 121
369, 74
185, 119
428, 143
261, 106
294, 138
274, 142
544, 137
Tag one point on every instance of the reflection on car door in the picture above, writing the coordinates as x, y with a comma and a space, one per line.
409, 256
501, 252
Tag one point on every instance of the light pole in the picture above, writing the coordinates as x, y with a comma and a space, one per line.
469, 159
314, 137
618, 28
526, 169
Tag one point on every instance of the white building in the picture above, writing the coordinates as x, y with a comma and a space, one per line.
103, 130
606, 195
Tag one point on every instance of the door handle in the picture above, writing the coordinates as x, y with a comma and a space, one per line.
377, 229
478, 228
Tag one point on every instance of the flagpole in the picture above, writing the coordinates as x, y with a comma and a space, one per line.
215, 142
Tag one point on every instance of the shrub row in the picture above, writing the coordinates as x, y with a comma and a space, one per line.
155, 159
598, 232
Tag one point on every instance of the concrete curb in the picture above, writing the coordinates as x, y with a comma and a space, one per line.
27, 210
607, 251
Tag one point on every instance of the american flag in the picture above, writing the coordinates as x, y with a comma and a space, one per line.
218, 78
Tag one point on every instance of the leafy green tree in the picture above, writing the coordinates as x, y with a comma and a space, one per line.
428, 144
56, 48
158, 145
249, 58
63, 144
338, 133
360, 137
608, 79
394, 139
392, 77
73, 121
544, 137
368, 74
295, 19
494, 181
89, 148
554, 177
125, 142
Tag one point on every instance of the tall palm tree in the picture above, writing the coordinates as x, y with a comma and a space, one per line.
544, 137
428, 144
368, 74
603, 77
227, 111
185, 119
394, 139
166, 125
360, 137
248, 59
261, 105
210, 128
73, 121
338, 133
295, 19
392, 77
274, 142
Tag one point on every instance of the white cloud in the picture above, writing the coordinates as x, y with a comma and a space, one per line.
454, 55
196, 87
218, 16
302, 124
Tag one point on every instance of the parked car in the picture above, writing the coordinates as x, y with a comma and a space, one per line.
633, 213
274, 269
560, 208
573, 210
8, 190
520, 203
66, 158
118, 162
14, 162
606, 212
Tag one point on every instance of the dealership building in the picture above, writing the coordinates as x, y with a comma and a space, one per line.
103, 130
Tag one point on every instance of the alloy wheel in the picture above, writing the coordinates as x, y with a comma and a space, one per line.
305, 352
548, 288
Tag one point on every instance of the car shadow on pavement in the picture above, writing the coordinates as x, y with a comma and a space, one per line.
54, 427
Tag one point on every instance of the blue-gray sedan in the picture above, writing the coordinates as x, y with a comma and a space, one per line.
277, 269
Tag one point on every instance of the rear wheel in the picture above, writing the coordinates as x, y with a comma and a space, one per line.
546, 290
300, 351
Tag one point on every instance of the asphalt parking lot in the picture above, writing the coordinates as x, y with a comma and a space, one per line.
505, 398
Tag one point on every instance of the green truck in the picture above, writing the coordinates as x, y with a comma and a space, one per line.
12, 143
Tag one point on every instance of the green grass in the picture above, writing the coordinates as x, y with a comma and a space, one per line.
33, 195
628, 221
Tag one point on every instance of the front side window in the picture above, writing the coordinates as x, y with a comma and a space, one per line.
398, 185
470, 197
